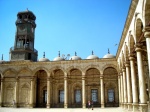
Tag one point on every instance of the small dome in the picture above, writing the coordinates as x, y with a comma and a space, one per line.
75, 57
92, 56
1, 61
58, 59
109, 56
44, 59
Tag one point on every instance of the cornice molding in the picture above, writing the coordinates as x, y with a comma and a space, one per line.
129, 18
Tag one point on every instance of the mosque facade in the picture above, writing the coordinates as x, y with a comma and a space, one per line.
112, 81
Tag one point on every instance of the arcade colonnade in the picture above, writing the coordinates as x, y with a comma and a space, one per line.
133, 58
59, 87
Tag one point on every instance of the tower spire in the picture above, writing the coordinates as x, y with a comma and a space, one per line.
75, 53
2, 56
108, 51
92, 52
58, 53
43, 54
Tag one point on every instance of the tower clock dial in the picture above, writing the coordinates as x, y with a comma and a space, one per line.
22, 28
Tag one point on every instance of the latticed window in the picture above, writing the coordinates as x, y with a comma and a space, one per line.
78, 96
94, 93
61, 96
110, 95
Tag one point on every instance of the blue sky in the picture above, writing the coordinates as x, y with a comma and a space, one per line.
67, 26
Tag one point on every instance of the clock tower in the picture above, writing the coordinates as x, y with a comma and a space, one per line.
24, 38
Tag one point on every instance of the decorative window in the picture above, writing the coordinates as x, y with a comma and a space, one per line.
111, 95
61, 96
94, 93
45, 96
77, 95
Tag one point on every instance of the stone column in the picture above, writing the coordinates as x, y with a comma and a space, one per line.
65, 91
125, 88
1, 97
129, 91
32, 93
48, 92
142, 86
102, 92
83, 91
122, 90
134, 83
119, 89
147, 36
16, 93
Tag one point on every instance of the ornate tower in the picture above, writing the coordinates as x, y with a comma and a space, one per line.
24, 39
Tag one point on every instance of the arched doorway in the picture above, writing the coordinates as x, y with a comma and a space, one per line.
41, 88
111, 87
93, 86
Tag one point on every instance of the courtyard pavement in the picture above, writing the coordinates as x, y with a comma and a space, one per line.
116, 109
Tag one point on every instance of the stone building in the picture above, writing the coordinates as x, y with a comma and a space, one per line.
121, 80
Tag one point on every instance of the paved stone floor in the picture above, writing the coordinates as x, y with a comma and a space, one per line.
118, 109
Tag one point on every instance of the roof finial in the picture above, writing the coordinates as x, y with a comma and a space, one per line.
75, 54
58, 53
108, 51
92, 52
2, 56
43, 54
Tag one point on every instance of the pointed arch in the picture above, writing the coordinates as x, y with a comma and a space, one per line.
92, 66
10, 73
131, 43
24, 72
126, 52
146, 12
40, 68
107, 66
74, 67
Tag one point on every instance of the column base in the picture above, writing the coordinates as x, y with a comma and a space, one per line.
65, 105
30, 105
102, 105
0, 104
83, 105
48, 105
125, 106
130, 106
135, 107
122, 105
143, 107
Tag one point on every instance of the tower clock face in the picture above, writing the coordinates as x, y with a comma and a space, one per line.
22, 28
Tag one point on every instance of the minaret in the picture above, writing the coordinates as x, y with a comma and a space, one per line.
24, 38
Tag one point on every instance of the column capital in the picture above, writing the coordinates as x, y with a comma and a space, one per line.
123, 69
131, 57
127, 64
138, 47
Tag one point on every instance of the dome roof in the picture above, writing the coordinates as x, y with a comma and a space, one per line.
44, 59
58, 59
1, 61
109, 56
92, 56
75, 57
